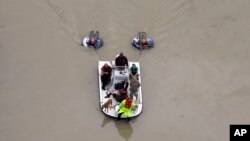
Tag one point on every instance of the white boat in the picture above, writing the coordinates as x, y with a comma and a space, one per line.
118, 76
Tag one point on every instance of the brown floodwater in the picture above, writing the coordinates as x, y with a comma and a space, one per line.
195, 82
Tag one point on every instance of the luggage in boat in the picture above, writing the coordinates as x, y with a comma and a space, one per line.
119, 85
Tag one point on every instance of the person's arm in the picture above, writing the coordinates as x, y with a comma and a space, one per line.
126, 61
121, 104
132, 106
116, 61
109, 71
136, 71
126, 86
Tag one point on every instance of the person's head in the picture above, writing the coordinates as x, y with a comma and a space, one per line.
133, 65
92, 39
144, 41
128, 102
106, 65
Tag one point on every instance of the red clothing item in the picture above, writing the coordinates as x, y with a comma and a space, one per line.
106, 69
123, 92
128, 103
144, 42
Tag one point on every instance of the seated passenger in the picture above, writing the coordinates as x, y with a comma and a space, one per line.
133, 71
121, 60
106, 71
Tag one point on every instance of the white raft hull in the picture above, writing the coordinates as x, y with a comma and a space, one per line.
115, 105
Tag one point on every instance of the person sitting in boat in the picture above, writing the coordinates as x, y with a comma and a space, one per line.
119, 95
122, 85
133, 71
121, 61
126, 107
106, 71
134, 86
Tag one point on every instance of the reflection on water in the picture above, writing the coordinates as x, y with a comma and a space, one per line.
124, 127
106, 120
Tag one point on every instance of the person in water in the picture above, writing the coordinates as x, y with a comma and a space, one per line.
143, 39
121, 60
144, 42
126, 107
92, 39
106, 71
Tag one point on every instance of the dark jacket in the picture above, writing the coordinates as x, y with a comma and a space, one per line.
121, 61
